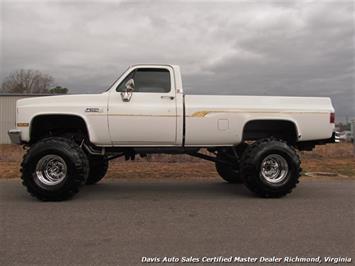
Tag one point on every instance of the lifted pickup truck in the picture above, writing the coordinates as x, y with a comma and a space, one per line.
251, 139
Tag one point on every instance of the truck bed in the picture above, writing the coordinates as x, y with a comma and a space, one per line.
217, 119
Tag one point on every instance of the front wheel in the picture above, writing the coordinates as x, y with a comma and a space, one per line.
229, 172
270, 168
98, 169
54, 169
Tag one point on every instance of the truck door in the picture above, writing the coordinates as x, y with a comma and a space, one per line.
142, 109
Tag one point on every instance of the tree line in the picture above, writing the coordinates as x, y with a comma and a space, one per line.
28, 81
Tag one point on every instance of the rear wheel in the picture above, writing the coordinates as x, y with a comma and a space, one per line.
54, 169
270, 168
98, 169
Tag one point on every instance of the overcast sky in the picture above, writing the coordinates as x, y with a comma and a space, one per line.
302, 48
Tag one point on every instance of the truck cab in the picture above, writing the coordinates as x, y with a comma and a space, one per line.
150, 108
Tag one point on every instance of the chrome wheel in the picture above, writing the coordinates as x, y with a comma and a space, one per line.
51, 170
274, 168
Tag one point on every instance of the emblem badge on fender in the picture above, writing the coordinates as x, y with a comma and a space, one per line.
92, 110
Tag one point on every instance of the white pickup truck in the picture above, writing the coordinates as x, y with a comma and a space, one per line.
251, 139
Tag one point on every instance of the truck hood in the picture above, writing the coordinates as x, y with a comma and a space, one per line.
62, 100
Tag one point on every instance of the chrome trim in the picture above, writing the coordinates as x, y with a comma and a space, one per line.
51, 170
274, 168
15, 136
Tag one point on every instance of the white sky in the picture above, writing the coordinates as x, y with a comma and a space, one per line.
303, 48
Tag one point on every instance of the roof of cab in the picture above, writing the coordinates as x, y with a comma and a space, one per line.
135, 65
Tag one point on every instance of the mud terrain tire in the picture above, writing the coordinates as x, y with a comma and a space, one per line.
98, 169
270, 168
54, 168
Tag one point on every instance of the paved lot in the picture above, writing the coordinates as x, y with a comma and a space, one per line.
118, 222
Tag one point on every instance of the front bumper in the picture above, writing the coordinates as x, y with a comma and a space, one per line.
15, 136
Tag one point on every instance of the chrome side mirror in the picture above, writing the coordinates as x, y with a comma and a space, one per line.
127, 94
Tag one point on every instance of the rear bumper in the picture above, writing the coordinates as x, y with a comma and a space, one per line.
332, 139
15, 136
309, 145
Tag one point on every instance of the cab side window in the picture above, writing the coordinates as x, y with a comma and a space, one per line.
148, 80
152, 80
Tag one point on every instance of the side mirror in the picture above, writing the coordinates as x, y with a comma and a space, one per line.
127, 94
129, 85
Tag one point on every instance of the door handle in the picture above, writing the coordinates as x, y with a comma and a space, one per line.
167, 97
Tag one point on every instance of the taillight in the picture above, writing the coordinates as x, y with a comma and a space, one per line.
332, 118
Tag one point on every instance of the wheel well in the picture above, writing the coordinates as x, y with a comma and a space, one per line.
57, 125
258, 129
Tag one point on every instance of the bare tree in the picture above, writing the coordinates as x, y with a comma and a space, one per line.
27, 81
